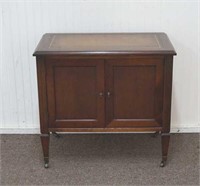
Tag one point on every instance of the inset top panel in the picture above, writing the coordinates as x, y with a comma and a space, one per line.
109, 43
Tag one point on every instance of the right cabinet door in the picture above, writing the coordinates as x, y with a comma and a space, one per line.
134, 92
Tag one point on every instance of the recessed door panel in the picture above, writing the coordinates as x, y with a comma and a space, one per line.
75, 89
134, 92
74, 93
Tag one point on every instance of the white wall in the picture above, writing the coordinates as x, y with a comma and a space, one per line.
24, 22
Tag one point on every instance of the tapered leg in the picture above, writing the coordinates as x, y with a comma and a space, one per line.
45, 148
165, 138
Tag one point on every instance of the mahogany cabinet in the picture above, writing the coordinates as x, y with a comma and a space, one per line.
118, 82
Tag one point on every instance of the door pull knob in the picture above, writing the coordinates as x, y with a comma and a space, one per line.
101, 94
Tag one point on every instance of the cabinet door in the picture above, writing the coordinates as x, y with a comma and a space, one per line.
75, 93
134, 92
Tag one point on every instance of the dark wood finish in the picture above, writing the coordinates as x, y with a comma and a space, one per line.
135, 87
105, 83
106, 129
45, 148
165, 138
168, 73
74, 93
42, 93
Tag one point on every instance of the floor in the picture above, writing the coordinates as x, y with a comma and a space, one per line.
99, 159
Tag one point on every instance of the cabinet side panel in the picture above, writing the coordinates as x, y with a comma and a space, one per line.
41, 76
168, 72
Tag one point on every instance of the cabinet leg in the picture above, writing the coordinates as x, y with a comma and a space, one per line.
45, 148
165, 138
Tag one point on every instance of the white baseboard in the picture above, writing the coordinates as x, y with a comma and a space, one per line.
186, 130
19, 131
37, 130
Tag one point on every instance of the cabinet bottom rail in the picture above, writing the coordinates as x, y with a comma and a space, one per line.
138, 129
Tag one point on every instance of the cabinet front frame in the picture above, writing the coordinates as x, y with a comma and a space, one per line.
42, 86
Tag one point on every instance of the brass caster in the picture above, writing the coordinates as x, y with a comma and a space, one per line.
46, 165
56, 135
46, 162
162, 164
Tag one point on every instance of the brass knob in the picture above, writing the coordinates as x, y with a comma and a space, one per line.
101, 94
108, 94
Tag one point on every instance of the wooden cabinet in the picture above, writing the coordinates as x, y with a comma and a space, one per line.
105, 83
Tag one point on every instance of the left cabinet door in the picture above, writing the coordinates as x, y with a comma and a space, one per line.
75, 92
